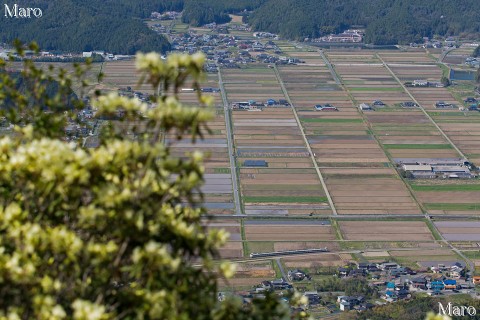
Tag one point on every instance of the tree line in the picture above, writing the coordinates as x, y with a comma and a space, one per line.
386, 21
68, 25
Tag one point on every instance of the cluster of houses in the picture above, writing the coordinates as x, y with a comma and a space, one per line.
370, 107
62, 56
472, 62
437, 168
403, 281
169, 15
348, 36
265, 35
347, 303
252, 105
218, 49
444, 105
472, 104
409, 104
397, 283
424, 84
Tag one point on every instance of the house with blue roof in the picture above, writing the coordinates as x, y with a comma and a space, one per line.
437, 285
450, 284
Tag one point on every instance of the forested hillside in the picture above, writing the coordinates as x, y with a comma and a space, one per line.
117, 26
72, 25
386, 21
199, 12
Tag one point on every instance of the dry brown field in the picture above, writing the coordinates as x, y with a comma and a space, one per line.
370, 193
369, 82
385, 230
311, 85
313, 260
415, 56
352, 56
466, 137
272, 135
288, 233
459, 230
233, 248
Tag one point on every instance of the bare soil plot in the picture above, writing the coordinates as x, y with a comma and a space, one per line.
412, 57
465, 133
282, 246
367, 193
308, 261
218, 180
311, 85
403, 133
369, 82
385, 230
422, 255
353, 56
459, 230
373, 254
233, 248
272, 135
296, 231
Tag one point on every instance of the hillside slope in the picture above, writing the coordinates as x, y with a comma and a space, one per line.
74, 25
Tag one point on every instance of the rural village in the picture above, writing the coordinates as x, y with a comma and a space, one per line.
343, 172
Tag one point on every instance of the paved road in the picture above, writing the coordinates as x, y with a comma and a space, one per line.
312, 156
348, 216
330, 67
231, 152
280, 267
421, 107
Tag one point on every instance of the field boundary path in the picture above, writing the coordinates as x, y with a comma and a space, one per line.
330, 67
421, 107
231, 156
280, 267
317, 169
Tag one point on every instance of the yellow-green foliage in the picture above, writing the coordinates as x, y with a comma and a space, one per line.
112, 232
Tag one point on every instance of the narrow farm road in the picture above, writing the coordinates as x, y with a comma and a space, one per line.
231, 150
307, 144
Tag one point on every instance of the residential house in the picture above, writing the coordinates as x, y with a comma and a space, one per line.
387, 265
296, 275
357, 273
365, 107
409, 104
450, 284
313, 297
343, 272
272, 102
436, 285
280, 284
348, 303
419, 283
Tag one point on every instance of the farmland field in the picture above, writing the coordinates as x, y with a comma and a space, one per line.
369, 82
274, 230
234, 247
288, 183
385, 230
459, 230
